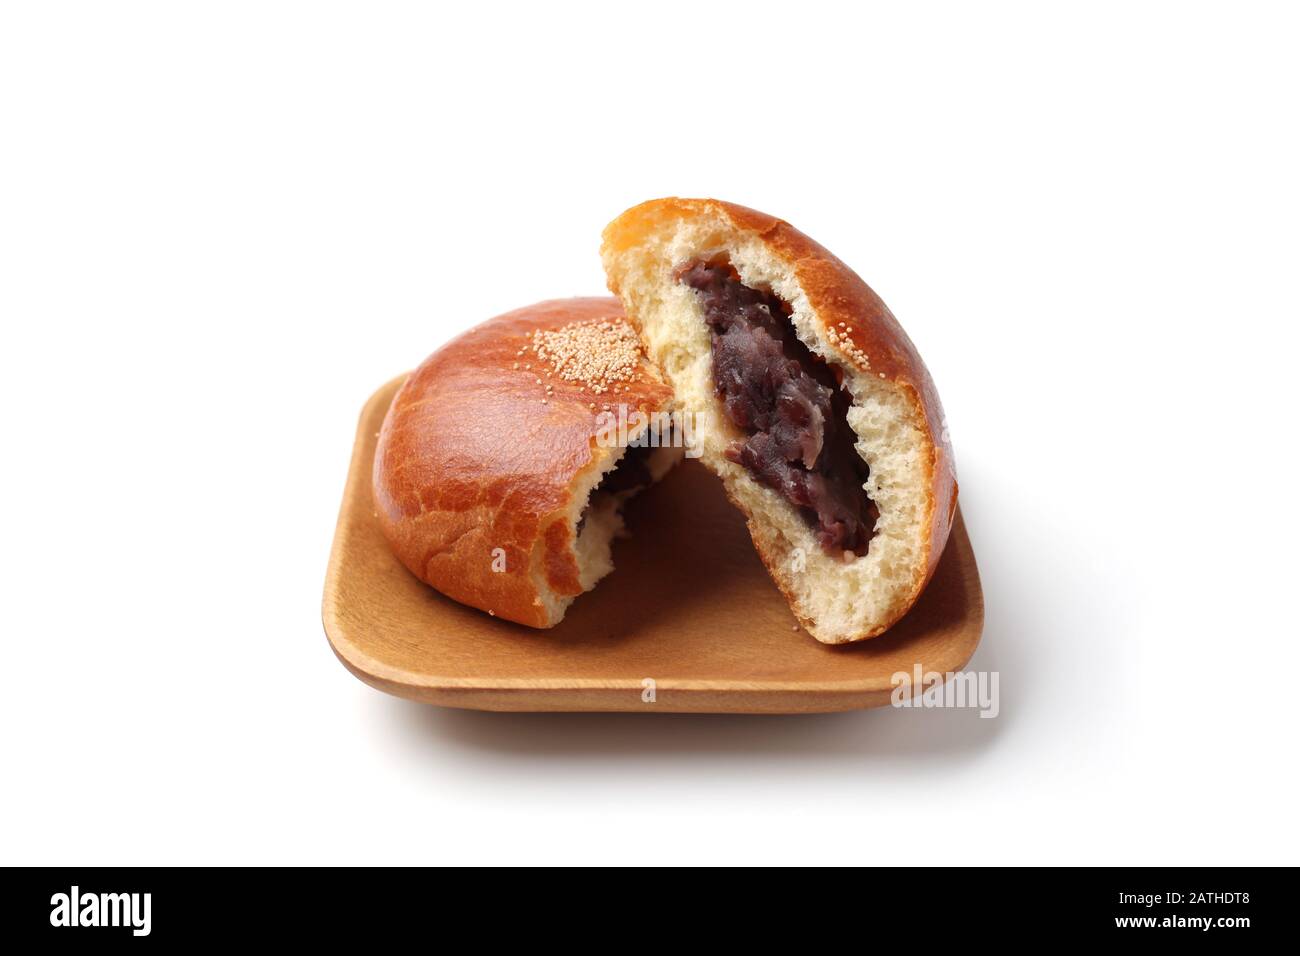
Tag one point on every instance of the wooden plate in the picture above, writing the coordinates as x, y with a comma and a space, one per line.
688, 607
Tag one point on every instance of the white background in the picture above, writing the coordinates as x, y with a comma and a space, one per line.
222, 226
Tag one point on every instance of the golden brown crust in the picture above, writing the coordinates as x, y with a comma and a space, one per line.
870, 339
476, 455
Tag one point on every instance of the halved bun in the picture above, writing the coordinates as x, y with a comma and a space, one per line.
488, 472
895, 416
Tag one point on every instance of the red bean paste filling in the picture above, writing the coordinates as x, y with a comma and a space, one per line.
790, 405
632, 473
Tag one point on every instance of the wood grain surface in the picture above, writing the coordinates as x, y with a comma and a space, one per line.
688, 607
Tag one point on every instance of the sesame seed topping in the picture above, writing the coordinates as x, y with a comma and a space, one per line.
596, 354
843, 340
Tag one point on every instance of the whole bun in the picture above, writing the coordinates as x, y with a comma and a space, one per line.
490, 482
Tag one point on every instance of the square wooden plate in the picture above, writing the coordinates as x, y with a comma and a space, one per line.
688, 607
